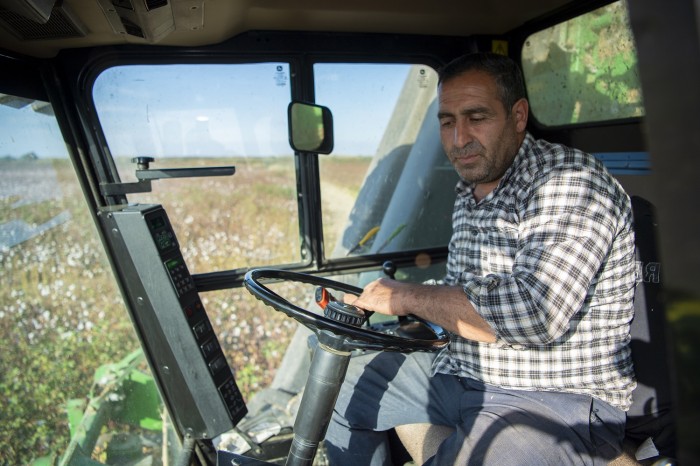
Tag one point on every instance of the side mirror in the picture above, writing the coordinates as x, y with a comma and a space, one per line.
310, 128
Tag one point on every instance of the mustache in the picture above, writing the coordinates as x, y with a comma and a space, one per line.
469, 149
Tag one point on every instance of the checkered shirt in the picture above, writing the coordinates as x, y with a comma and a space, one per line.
547, 259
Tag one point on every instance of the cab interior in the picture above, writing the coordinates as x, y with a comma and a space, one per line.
172, 175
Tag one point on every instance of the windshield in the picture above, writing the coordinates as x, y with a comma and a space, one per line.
210, 115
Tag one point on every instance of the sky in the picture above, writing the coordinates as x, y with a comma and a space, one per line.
215, 110
24, 130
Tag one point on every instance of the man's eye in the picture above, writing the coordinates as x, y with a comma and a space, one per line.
446, 123
477, 119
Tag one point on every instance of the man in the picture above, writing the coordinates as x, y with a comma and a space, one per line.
537, 300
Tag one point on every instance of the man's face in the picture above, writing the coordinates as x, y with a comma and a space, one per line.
479, 136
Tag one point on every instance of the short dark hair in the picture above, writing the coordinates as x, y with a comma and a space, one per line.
505, 71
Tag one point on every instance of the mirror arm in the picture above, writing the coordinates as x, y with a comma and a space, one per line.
144, 175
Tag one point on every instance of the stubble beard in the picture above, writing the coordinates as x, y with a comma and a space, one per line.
478, 171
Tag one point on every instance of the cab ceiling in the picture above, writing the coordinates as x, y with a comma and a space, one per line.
86, 23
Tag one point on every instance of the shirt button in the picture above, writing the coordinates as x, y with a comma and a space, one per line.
475, 232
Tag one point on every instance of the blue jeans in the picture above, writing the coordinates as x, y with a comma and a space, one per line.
493, 426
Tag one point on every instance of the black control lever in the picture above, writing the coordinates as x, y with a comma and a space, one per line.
389, 269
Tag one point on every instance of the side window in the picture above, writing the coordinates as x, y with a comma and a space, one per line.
387, 186
70, 360
584, 70
210, 115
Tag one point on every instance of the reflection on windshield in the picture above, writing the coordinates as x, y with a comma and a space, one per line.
27, 183
29, 139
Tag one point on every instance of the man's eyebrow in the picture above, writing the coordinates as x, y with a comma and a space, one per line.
476, 110
466, 111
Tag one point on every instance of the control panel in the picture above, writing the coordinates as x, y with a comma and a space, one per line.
193, 374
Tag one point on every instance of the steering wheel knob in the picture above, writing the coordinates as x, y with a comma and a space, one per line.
345, 313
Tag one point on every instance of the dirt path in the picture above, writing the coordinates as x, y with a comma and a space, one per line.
336, 203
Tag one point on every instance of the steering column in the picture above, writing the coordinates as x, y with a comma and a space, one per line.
340, 331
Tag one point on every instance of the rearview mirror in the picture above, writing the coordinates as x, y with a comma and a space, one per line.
310, 128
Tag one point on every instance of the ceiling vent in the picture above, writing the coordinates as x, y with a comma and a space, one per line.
37, 10
61, 24
148, 19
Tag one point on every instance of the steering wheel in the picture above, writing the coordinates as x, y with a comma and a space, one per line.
355, 337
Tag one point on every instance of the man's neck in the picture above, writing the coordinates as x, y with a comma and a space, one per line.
482, 190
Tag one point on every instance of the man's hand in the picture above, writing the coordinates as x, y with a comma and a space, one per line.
383, 296
446, 306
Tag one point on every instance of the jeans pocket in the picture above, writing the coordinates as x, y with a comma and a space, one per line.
606, 428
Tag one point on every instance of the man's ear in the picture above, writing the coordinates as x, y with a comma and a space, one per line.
520, 112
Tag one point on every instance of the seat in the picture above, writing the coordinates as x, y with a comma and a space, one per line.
650, 418
650, 430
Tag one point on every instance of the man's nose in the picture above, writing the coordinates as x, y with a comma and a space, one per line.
462, 134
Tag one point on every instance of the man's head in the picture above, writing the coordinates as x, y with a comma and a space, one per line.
502, 69
483, 115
